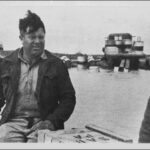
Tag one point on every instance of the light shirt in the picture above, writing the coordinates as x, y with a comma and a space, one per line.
26, 102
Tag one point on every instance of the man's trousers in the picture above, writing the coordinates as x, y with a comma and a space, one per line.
19, 130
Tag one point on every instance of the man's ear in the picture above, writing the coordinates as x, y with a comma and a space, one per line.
20, 37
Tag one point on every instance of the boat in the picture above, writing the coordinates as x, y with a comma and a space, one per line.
123, 50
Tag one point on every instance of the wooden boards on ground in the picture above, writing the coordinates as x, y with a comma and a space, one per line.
108, 133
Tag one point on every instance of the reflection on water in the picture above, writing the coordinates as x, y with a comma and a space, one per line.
114, 100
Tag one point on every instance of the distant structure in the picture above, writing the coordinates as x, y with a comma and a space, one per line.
81, 61
66, 61
1, 46
4, 53
122, 50
91, 61
81, 58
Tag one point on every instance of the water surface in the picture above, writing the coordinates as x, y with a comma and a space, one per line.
113, 100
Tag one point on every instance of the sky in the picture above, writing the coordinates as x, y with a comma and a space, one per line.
77, 26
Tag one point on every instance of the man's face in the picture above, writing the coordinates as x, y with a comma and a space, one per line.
33, 43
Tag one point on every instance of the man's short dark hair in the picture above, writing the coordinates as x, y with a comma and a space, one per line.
31, 23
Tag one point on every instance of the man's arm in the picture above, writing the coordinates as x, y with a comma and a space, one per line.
2, 102
67, 98
144, 135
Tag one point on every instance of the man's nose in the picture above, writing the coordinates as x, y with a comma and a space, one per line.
37, 40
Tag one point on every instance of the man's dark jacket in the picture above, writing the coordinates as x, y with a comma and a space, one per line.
144, 135
54, 91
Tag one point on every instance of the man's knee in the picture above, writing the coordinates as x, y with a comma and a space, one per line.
9, 134
4, 130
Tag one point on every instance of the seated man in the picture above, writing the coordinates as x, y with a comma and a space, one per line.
34, 86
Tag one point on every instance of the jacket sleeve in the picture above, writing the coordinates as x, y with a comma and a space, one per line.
67, 99
2, 102
144, 135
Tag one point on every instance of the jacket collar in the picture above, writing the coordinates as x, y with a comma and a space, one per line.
13, 57
20, 55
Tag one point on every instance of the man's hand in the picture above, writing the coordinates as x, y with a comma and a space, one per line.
43, 125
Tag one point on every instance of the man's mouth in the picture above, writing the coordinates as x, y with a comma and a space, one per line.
36, 47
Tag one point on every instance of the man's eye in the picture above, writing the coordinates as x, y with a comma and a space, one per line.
41, 37
32, 37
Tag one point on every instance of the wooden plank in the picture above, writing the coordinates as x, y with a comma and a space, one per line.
108, 133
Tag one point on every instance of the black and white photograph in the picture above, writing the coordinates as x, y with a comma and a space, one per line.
75, 72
